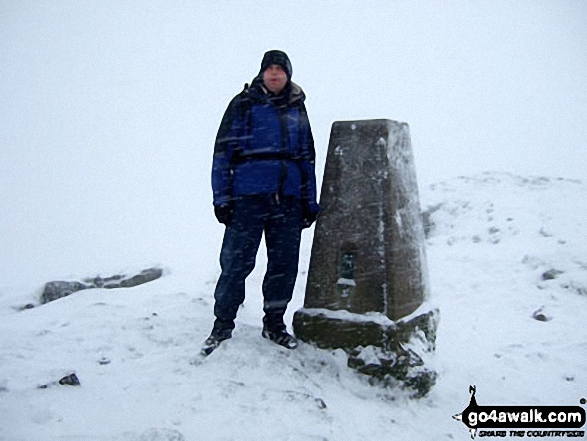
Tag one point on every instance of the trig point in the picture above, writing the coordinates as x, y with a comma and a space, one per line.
367, 288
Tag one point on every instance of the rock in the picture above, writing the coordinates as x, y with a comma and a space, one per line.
540, 316
381, 350
59, 289
27, 306
104, 361
320, 403
70, 380
145, 276
551, 274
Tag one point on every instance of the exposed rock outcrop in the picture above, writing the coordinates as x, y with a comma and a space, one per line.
59, 289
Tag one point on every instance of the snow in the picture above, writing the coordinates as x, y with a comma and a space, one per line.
374, 317
135, 350
108, 112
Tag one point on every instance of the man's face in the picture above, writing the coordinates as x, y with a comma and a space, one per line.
275, 78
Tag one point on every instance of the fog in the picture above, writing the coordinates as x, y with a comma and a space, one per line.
109, 109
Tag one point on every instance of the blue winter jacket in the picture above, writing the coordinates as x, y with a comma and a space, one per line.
265, 146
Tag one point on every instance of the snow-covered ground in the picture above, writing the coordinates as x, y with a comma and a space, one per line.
493, 238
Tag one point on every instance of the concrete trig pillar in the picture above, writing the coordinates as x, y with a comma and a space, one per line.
367, 283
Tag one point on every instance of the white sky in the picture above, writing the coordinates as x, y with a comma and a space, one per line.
108, 109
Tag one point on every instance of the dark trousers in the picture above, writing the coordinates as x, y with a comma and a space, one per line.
280, 220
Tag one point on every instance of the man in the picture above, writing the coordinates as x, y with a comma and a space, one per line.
263, 181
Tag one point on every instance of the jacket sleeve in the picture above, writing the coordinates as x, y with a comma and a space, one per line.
309, 192
227, 140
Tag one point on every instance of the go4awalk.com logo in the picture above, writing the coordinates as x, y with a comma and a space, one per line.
522, 421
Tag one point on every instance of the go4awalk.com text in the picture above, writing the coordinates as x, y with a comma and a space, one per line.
532, 433
523, 421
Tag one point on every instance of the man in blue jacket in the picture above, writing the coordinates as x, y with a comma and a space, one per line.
263, 181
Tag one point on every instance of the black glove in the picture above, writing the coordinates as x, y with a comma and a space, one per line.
308, 217
224, 213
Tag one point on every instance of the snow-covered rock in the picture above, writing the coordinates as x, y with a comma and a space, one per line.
58, 289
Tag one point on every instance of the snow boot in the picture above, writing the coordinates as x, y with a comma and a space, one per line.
211, 343
281, 337
221, 331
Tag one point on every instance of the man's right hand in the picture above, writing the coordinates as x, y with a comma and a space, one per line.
224, 213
